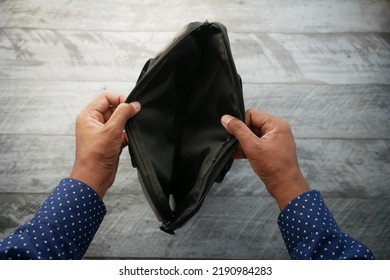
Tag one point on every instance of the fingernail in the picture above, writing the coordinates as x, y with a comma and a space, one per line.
136, 106
226, 119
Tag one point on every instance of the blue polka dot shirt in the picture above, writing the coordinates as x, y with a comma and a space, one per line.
63, 227
66, 223
310, 231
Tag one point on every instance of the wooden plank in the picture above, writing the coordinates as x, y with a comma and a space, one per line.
36, 163
340, 168
218, 231
357, 58
351, 58
239, 16
76, 55
56, 57
324, 111
314, 111
225, 227
236, 228
353, 166
17, 209
46, 107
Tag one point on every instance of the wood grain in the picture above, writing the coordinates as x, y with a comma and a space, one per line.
352, 58
314, 111
245, 230
36, 163
322, 65
219, 231
326, 111
240, 16
47, 107
338, 167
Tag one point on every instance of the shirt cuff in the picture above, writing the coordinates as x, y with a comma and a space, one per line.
310, 231
75, 211
303, 216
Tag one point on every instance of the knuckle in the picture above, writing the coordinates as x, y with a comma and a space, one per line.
285, 124
121, 108
125, 108
80, 119
251, 110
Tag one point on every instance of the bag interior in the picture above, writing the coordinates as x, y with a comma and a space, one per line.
182, 104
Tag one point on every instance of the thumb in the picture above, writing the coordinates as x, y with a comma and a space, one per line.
239, 130
122, 113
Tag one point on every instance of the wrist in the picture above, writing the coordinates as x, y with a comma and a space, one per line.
288, 188
89, 177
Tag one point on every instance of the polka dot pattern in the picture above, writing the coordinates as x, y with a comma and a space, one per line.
310, 231
63, 227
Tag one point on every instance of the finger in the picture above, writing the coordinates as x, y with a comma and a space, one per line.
105, 101
238, 153
240, 130
125, 141
104, 105
122, 98
262, 123
122, 113
107, 115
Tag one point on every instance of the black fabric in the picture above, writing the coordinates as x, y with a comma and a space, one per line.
177, 141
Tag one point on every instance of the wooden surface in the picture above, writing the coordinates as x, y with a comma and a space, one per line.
322, 65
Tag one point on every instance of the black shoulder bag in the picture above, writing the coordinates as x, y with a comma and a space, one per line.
177, 142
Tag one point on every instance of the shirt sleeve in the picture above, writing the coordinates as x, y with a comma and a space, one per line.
62, 228
310, 231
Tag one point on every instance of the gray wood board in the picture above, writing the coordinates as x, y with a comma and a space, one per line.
338, 167
46, 107
224, 228
348, 58
323, 66
326, 111
314, 111
238, 16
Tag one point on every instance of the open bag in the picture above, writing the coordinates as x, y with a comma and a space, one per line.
176, 141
